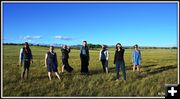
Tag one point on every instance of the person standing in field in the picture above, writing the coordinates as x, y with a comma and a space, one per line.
65, 55
119, 61
103, 57
84, 56
136, 58
26, 59
51, 62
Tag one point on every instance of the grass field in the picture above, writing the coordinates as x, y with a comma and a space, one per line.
159, 67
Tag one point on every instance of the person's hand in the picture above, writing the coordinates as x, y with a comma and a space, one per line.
68, 47
20, 64
31, 61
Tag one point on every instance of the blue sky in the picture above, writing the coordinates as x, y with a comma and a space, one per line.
145, 24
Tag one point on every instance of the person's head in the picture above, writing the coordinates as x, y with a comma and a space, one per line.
26, 45
103, 46
136, 47
51, 48
65, 46
118, 46
84, 43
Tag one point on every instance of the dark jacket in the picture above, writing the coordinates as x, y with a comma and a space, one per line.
26, 55
119, 55
65, 53
51, 59
84, 52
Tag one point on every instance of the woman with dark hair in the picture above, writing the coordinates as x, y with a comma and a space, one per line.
51, 62
103, 57
119, 61
136, 58
65, 55
84, 55
25, 60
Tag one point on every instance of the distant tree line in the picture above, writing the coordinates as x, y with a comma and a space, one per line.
93, 46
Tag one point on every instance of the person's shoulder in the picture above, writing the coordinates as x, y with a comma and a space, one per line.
62, 49
81, 47
21, 49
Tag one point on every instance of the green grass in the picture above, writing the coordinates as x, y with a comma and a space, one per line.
159, 67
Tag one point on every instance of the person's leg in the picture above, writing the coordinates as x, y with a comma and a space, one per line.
123, 69
49, 75
117, 70
82, 65
103, 64
86, 66
57, 75
138, 65
63, 69
23, 71
138, 69
106, 66
134, 67
27, 69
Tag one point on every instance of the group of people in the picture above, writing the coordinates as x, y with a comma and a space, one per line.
26, 58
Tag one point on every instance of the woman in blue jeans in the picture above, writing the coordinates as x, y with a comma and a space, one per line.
119, 61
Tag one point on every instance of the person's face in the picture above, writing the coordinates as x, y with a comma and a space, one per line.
51, 49
25, 46
84, 43
64, 46
118, 46
102, 46
136, 48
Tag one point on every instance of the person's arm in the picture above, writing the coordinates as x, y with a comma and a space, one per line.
140, 55
107, 57
115, 57
46, 60
56, 60
21, 56
80, 50
100, 55
88, 54
69, 49
31, 57
133, 56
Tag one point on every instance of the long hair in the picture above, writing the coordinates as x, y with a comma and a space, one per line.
86, 46
27, 49
120, 46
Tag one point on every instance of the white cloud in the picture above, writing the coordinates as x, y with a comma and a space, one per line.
29, 38
62, 37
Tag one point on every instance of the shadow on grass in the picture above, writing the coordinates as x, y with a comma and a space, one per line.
154, 71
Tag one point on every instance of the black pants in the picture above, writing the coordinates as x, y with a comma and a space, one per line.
67, 67
25, 69
84, 65
104, 64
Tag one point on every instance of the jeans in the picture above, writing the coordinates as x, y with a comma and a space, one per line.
120, 65
84, 65
25, 69
104, 64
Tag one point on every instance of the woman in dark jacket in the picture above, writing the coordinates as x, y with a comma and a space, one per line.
119, 61
25, 60
84, 55
65, 55
51, 62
